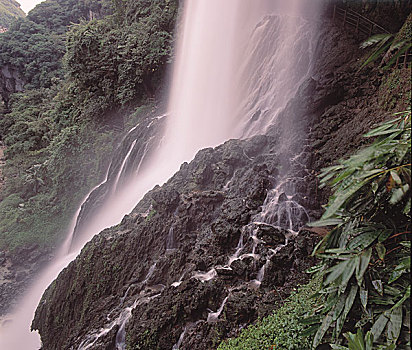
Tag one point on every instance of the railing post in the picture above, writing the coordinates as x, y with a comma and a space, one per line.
370, 29
405, 61
357, 25
334, 12
344, 18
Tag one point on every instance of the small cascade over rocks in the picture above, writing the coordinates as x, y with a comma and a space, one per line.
146, 294
214, 316
180, 340
171, 243
281, 210
127, 162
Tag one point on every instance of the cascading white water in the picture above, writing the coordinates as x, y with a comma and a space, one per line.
205, 100
275, 80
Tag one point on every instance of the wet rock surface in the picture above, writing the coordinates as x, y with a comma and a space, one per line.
199, 258
220, 255
11, 81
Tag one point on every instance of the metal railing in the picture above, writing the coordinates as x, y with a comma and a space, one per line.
403, 60
354, 19
364, 26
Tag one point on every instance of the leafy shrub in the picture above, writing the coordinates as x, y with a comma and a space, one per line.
57, 15
27, 127
39, 64
393, 46
35, 45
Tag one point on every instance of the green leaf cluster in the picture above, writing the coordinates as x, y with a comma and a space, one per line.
391, 45
366, 256
359, 341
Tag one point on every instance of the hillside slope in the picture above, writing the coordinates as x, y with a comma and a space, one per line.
9, 11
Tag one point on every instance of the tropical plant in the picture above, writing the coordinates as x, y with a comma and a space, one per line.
385, 43
359, 341
393, 45
366, 255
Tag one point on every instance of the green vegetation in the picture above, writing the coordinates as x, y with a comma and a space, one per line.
9, 11
57, 15
59, 132
34, 51
395, 90
282, 330
366, 256
115, 61
392, 46
35, 45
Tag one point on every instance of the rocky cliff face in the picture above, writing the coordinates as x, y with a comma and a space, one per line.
10, 82
199, 258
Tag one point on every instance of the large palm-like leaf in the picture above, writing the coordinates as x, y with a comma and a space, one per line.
388, 44
361, 255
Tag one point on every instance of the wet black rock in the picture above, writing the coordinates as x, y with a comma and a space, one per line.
283, 197
239, 267
271, 235
224, 271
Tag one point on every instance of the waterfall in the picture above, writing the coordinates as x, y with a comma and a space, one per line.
284, 36
230, 68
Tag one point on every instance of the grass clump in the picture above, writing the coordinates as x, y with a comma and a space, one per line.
281, 330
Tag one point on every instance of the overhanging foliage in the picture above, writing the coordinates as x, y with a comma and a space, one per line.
366, 256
